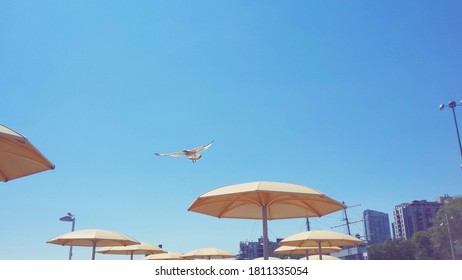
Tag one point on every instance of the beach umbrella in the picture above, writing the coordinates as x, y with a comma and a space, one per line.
18, 157
208, 253
320, 238
138, 249
165, 256
265, 201
291, 250
93, 238
324, 257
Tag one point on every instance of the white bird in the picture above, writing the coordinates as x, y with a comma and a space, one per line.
192, 154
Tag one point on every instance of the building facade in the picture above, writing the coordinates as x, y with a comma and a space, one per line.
352, 253
409, 218
249, 250
376, 226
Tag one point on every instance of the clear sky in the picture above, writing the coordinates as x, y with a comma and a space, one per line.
340, 96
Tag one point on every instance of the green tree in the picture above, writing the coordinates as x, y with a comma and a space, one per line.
392, 250
449, 216
424, 247
432, 244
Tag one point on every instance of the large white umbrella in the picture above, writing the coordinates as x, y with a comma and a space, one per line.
138, 249
208, 253
165, 256
320, 238
18, 157
265, 201
93, 238
291, 250
323, 257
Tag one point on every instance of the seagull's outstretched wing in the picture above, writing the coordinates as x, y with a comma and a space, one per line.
202, 148
176, 154
192, 154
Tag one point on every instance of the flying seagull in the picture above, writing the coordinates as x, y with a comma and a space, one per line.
192, 154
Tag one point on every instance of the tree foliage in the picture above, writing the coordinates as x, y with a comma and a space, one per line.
432, 244
424, 247
449, 217
392, 250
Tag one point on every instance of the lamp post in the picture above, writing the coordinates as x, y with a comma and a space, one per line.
453, 105
69, 218
450, 237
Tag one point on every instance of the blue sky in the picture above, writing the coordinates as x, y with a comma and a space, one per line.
340, 96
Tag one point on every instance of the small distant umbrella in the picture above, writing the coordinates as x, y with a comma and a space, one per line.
265, 201
269, 258
320, 238
324, 257
291, 250
138, 249
18, 157
208, 253
93, 238
165, 256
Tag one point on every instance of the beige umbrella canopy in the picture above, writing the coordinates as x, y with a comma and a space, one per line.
269, 258
265, 201
18, 157
208, 253
324, 257
292, 250
320, 238
138, 249
93, 238
165, 256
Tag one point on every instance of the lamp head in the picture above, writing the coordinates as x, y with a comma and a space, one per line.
68, 218
442, 106
452, 104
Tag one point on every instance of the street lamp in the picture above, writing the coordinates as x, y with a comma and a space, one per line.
453, 105
69, 218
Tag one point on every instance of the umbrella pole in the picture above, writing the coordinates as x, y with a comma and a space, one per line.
131, 255
265, 233
94, 250
320, 249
